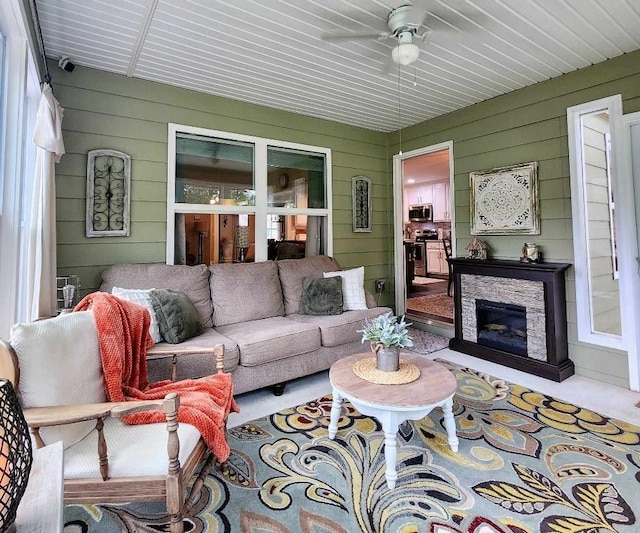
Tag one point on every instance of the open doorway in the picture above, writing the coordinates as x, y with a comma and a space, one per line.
423, 186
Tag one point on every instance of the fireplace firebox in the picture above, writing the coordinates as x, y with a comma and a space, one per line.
502, 326
512, 313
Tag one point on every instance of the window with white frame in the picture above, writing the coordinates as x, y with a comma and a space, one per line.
239, 198
19, 97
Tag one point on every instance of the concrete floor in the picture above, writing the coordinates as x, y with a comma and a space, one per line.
605, 399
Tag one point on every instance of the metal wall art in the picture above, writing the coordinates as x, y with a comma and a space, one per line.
361, 198
504, 201
108, 193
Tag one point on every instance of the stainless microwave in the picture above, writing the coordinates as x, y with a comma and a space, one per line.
421, 213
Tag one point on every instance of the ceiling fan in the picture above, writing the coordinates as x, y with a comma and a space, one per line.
405, 25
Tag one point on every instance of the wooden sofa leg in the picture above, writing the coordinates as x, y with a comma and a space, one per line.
278, 389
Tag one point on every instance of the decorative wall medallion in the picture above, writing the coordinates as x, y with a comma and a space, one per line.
108, 193
504, 201
361, 198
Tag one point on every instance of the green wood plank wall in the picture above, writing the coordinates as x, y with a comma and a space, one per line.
530, 124
105, 110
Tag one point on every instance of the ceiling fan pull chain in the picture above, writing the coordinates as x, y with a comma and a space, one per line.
399, 111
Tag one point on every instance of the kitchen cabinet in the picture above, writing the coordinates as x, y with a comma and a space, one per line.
419, 195
436, 259
440, 196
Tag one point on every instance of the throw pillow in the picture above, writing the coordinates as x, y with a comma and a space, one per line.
321, 296
60, 365
141, 297
352, 288
178, 318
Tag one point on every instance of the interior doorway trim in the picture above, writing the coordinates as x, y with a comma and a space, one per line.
398, 216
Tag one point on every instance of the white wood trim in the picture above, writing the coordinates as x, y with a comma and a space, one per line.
581, 267
398, 216
20, 99
398, 237
627, 224
260, 210
260, 187
171, 197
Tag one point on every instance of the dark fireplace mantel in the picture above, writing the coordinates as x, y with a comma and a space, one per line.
548, 282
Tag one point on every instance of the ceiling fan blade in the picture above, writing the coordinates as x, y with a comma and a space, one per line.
346, 36
425, 36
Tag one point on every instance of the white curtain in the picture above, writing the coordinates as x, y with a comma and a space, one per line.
41, 251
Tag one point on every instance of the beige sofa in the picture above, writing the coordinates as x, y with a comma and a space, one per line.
252, 308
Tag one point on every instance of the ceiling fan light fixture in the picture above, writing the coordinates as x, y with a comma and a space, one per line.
405, 53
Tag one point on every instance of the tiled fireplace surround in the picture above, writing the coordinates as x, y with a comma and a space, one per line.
538, 288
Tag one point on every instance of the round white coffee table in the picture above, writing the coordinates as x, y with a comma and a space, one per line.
393, 404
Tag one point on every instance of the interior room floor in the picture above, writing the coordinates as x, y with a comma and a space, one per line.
605, 399
424, 304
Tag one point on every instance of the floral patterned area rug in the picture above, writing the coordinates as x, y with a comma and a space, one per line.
527, 463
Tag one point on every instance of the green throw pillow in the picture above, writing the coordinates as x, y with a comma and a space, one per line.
177, 317
321, 296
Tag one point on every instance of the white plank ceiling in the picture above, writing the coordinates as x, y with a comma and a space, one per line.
272, 52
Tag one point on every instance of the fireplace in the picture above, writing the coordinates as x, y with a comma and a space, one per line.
512, 313
502, 326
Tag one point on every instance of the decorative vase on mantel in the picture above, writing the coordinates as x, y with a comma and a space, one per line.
387, 359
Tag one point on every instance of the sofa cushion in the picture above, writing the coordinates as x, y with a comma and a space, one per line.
353, 294
293, 271
269, 339
243, 292
340, 329
321, 296
60, 365
192, 280
141, 297
178, 318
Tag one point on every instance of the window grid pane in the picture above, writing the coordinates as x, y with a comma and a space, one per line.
219, 173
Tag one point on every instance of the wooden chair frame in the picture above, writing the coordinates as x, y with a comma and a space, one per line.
169, 487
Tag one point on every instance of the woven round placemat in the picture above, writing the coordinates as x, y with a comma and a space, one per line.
366, 369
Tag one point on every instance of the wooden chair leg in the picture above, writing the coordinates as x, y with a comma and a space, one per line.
197, 485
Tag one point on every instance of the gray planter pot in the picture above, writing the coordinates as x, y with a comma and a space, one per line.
388, 359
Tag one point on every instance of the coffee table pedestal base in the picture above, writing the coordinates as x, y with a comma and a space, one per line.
391, 417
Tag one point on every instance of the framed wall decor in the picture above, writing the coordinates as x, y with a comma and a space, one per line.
504, 200
361, 198
108, 193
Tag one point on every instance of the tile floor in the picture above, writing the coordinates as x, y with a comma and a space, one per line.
605, 399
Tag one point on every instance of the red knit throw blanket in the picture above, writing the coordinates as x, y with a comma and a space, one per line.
123, 333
